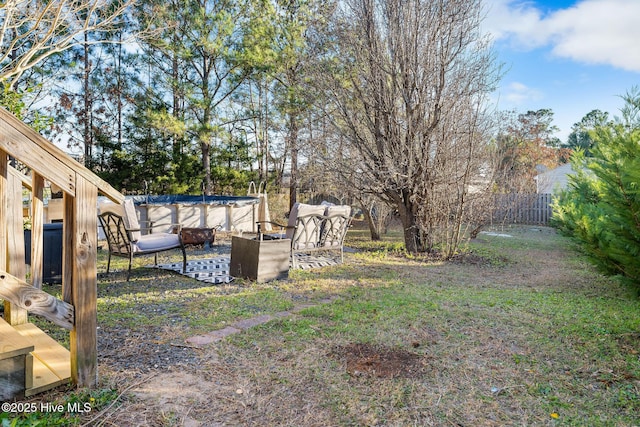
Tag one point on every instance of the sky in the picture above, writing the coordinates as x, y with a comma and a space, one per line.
570, 56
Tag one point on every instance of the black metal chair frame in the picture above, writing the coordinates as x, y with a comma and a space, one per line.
121, 245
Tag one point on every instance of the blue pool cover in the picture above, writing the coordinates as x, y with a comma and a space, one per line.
194, 200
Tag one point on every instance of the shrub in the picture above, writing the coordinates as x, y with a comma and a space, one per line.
601, 208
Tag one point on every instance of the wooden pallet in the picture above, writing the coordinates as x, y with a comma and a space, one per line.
47, 364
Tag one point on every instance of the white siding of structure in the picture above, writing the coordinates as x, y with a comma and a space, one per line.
554, 180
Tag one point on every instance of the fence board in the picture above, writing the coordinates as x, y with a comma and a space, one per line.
513, 208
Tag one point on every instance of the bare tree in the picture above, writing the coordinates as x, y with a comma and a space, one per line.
409, 96
31, 31
338, 172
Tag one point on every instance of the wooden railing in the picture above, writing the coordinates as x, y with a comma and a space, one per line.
35, 301
47, 163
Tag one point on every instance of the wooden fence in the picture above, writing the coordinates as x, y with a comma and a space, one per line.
515, 208
511, 208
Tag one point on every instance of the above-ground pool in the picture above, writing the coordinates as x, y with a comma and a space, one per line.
226, 213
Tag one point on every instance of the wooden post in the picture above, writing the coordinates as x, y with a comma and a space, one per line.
83, 226
13, 314
37, 233
177, 220
69, 218
4, 205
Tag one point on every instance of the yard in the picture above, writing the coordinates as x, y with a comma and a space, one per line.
520, 331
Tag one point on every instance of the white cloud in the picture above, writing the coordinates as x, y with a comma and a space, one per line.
516, 94
591, 31
515, 21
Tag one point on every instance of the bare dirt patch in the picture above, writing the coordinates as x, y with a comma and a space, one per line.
379, 361
175, 396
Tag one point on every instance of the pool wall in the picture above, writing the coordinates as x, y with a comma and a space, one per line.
226, 213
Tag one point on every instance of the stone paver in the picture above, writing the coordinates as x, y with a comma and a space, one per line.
244, 324
282, 314
214, 336
254, 321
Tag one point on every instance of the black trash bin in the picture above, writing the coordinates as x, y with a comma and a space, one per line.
51, 253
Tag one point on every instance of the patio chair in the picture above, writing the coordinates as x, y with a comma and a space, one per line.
125, 237
288, 231
314, 228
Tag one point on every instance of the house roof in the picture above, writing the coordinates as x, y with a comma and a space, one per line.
555, 179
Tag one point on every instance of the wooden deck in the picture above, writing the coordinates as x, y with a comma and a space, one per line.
47, 364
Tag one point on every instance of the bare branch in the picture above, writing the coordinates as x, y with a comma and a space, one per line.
410, 94
32, 31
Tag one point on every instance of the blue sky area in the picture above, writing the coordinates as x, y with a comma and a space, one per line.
571, 56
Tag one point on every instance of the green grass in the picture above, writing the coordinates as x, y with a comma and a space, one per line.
214, 312
502, 349
69, 409
389, 243
522, 332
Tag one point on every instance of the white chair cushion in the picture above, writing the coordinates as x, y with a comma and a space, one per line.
300, 209
130, 218
156, 242
344, 210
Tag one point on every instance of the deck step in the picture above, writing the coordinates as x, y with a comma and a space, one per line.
51, 365
15, 362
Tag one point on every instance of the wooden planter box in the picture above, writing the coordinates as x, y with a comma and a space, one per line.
260, 260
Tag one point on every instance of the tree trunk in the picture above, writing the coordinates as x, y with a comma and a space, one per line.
120, 106
413, 236
177, 100
293, 143
204, 134
88, 139
373, 226
206, 165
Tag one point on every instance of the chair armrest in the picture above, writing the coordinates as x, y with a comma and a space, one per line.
266, 234
281, 226
273, 223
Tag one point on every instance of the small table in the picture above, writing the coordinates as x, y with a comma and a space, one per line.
260, 260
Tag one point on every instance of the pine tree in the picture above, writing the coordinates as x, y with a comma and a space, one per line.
601, 209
